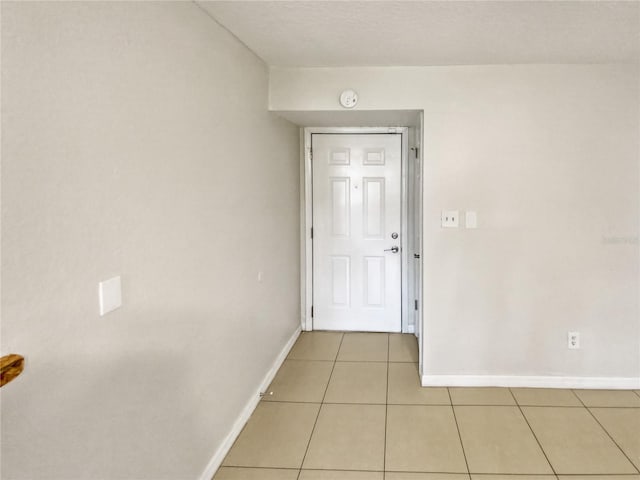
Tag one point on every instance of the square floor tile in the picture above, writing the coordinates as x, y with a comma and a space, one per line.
348, 437
339, 475
484, 476
546, 397
239, 473
609, 398
423, 439
498, 440
275, 436
405, 387
599, 477
316, 346
358, 382
425, 476
300, 381
574, 442
623, 424
481, 396
364, 347
403, 347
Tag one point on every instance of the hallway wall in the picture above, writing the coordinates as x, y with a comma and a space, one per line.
136, 141
548, 156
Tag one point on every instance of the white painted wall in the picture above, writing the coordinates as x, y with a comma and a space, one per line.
549, 158
136, 141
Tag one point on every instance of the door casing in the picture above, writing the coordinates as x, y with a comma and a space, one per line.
306, 214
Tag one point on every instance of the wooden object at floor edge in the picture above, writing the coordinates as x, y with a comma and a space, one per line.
10, 367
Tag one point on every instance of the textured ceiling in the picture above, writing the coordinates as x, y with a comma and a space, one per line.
387, 33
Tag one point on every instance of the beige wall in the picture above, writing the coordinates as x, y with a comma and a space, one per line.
548, 156
136, 141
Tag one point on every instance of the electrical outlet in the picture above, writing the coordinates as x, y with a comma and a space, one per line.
450, 218
573, 340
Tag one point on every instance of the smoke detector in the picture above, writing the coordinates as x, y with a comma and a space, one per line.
348, 98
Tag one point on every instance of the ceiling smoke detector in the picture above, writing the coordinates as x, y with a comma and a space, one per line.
348, 98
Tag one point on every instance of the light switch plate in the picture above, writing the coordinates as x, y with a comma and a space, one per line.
573, 340
110, 295
450, 218
471, 219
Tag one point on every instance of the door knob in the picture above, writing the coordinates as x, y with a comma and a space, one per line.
393, 249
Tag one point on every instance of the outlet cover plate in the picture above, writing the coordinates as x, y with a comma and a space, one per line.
450, 218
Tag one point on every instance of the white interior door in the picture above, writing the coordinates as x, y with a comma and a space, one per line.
356, 225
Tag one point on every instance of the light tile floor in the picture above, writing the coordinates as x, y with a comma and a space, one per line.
350, 407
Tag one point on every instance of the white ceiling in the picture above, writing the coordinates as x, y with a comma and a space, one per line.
387, 33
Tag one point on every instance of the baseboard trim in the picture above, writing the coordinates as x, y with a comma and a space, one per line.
608, 383
251, 405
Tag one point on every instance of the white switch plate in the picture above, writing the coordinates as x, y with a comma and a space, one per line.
573, 340
110, 294
471, 219
450, 218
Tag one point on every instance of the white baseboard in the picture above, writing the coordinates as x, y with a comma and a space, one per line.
248, 409
609, 383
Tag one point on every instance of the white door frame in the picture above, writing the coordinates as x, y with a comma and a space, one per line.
306, 218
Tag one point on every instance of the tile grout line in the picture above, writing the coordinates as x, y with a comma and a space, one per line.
455, 418
386, 412
242, 467
320, 409
501, 474
568, 407
533, 433
607, 432
583, 475
576, 396
346, 361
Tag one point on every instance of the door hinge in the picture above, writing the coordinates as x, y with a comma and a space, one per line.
416, 255
415, 304
311, 311
311, 154
311, 232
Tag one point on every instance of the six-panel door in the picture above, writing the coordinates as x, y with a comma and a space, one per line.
356, 214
